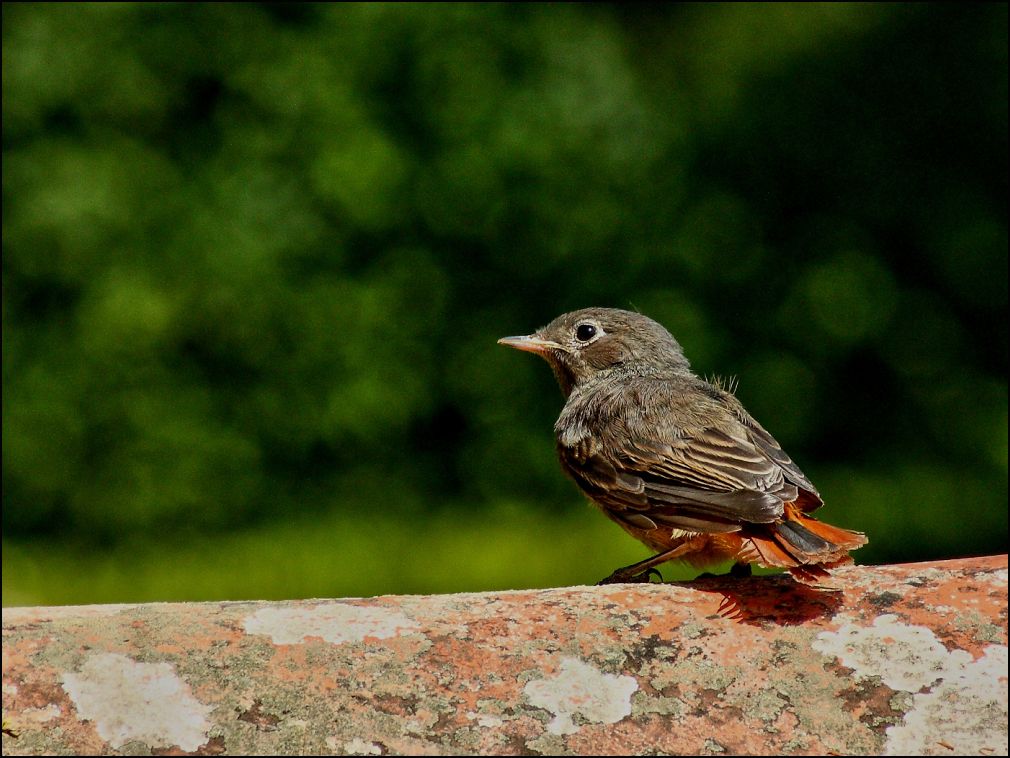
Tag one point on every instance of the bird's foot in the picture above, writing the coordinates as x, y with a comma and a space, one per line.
738, 571
628, 575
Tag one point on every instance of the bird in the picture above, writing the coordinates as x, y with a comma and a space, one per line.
674, 459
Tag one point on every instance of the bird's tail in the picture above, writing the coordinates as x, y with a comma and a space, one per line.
802, 544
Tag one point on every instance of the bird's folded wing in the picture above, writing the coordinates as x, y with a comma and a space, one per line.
765, 443
707, 481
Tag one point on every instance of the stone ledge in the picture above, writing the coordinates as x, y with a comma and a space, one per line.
900, 660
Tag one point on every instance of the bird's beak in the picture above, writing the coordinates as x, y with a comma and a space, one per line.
530, 343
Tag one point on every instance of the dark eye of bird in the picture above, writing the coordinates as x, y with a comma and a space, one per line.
585, 332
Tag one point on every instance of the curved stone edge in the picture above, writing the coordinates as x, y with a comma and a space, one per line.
894, 660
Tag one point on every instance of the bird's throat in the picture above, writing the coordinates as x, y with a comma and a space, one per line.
566, 380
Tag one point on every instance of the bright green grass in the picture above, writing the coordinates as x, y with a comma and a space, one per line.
334, 556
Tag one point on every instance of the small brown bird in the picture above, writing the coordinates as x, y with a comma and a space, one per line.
675, 460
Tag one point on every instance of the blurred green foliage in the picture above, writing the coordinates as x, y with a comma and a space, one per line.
256, 258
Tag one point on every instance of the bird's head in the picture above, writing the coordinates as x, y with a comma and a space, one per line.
584, 344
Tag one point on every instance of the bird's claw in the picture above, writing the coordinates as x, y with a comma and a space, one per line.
623, 576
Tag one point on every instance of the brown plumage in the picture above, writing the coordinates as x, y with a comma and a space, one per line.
675, 460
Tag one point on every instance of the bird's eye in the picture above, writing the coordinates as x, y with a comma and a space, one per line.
585, 332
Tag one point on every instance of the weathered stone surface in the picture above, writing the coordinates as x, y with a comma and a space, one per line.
900, 660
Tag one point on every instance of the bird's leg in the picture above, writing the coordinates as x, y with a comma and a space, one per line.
643, 570
741, 570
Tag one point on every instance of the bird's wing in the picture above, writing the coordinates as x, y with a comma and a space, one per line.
700, 479
764, 442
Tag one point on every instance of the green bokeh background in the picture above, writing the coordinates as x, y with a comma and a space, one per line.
256, 258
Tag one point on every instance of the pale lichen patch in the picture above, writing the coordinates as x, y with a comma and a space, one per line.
40, 715
582, 689
964, 708
967, 711
357, 746
485, 720
997, 578
905, 657
692, 630
333, 622
129, 701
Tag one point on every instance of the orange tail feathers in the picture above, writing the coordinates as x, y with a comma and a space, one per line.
802, 544
844, 539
